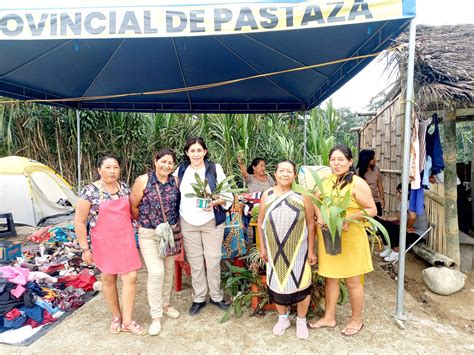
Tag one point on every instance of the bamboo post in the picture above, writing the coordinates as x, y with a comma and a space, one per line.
399, 314
450, 188
472, 178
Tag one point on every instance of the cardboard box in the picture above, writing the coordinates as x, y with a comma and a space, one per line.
9, 250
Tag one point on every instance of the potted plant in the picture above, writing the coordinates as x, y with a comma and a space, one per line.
333, 205
203, 193
247, 286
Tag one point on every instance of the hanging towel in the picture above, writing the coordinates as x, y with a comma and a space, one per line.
415, 157
423, 127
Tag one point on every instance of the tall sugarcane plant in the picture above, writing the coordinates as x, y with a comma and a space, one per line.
49, 134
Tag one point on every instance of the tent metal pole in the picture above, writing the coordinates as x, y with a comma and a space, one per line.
405, 170
78, 127
305, 139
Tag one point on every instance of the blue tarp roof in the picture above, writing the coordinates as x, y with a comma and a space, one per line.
82, 64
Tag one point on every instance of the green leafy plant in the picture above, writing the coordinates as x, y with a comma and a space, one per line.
255, 211
201, 190
242, 284
333, 205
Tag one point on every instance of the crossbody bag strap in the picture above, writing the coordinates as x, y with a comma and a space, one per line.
161, 203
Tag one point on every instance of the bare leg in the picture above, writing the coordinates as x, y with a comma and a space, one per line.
109, 290
281, 309
332, 294
356, 295
301, 324
129, 287
283, 322
302, 307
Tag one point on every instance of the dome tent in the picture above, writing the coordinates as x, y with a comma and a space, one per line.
32, 192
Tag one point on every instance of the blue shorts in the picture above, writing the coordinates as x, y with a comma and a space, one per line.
417, 201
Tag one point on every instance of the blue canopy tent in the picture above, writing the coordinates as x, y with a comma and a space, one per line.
192, 55
81, 53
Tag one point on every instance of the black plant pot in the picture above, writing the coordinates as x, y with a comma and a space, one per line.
332, 248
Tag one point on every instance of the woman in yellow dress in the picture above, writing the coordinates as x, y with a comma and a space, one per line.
355, 259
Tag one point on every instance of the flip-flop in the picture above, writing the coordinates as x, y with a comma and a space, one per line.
115, 326
320, 326
355, 330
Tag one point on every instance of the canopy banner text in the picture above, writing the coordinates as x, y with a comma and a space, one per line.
144, 20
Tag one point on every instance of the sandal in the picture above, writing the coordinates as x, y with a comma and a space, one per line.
349, 332
115, 326
133, 328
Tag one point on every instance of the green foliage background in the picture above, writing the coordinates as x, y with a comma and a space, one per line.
49, 135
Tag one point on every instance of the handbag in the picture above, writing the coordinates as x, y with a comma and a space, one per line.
168, 236
233, 244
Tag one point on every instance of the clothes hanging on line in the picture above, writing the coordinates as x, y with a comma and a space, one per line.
415, 157
434, 148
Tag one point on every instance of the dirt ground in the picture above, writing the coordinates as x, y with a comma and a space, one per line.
436, 324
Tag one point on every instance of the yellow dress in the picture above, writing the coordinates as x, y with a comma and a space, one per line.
355, 258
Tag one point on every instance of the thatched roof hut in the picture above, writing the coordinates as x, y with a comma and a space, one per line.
444, 66
444, 83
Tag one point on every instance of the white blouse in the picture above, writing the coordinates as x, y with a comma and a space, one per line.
187, 209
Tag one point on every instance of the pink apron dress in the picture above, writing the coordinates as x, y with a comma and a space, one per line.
113, 243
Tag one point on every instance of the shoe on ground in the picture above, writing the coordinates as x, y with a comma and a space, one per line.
220, 304
115, 326
280, 326
196, 308
385, 252
155, 327
393, 256
301, 328
171, 312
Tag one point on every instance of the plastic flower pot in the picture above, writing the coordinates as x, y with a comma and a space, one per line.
331, 247
202, 202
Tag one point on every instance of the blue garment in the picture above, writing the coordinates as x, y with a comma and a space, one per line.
434, 148
45, 305
425, 182
14, 323
417, 201
35, 313
35, 289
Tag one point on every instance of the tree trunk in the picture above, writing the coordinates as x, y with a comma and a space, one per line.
432, 256
450, 188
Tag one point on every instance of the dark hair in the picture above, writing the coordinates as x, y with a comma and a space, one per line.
101, 160
190, 142
165, 151
287, 161
347, 178
365, 156
399, 188
254, 162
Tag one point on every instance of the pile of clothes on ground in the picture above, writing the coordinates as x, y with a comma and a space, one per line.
48, 281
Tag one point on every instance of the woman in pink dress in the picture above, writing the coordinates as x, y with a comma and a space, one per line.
105, 205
